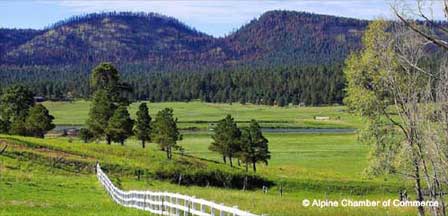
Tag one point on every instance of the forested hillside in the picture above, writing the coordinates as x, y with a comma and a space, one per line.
288, 37
281, 57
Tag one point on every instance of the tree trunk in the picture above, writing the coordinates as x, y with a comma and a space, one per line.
143, 143
418, 188
108, 140
230, 161
247, 167
239, 162
224, 159
167, 153
254, 164
122, 142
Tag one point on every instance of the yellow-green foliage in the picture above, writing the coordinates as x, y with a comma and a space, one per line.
366, 71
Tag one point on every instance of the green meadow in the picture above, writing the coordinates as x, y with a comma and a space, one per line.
198, 114
54, 176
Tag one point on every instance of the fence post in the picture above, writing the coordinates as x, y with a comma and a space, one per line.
202, 208
172, 201
233, 213
221, 212
162, 199
187, 206
177, 209
144, 201
192, 204
151, 205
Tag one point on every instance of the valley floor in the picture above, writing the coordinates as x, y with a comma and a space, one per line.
54, 176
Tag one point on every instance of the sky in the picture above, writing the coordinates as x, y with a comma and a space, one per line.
216, 18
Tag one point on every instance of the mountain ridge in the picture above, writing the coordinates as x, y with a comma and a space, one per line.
279, 58
276, 37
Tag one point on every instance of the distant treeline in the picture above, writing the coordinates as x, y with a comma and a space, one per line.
311, 85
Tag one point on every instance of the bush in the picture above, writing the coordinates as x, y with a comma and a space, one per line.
210, 176
85, 135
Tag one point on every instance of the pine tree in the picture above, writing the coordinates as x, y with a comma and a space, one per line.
39, 121
108, 95
101, 110
104, 77
120, 125
226, 138
15, 103
143, 124
254, 146
165, 132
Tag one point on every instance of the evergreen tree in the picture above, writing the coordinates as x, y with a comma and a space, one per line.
143, 124
4, 126
226, 138
15, 103
281, 101
39, 121
120, 125
165, 132
108, 95
101, 110
254, 146
106, 77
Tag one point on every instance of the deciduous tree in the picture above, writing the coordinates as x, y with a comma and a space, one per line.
403, 98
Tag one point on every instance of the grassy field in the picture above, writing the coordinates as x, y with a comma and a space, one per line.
309, 166
27, 188
304, 177
76, 113
299, 155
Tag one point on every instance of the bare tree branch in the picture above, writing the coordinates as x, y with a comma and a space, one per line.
427, 19
441, 43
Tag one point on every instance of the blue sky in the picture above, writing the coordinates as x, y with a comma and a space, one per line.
217, 18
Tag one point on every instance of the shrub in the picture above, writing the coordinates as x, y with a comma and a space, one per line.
210, 176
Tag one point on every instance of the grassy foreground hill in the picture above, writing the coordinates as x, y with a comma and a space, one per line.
48, 177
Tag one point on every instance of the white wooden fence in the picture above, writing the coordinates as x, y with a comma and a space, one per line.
165, 203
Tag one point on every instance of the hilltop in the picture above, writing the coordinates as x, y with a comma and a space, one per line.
276, 37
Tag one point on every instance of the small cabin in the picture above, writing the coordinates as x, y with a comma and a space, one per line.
39, 99
321, 118
72, 132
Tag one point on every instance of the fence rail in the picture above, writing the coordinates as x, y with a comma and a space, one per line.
165, 203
